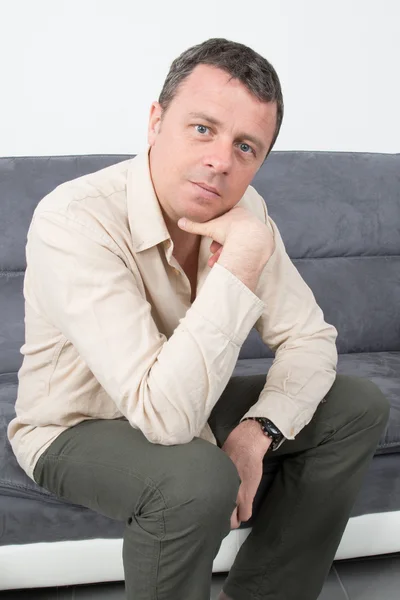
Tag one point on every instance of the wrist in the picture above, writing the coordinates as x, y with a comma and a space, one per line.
252, 257
270, 430
253, 431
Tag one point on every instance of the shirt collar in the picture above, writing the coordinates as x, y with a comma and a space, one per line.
146, 219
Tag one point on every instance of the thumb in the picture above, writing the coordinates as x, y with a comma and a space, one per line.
244, 511
188, 225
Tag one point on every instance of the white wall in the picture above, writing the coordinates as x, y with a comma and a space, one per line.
78, 76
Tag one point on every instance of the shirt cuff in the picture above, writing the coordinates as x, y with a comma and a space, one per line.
282, 411
227, 303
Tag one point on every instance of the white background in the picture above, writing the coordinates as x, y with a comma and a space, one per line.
79, 76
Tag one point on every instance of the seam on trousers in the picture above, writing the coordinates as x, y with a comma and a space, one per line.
148, 481
307, 463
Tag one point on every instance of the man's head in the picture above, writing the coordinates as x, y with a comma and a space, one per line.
218, 116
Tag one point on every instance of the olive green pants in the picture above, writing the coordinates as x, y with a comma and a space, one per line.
177, 501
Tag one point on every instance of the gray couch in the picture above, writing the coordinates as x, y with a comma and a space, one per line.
339, 215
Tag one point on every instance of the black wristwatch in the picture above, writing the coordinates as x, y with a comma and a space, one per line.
270, 431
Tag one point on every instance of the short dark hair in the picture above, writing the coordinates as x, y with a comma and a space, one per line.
239, 61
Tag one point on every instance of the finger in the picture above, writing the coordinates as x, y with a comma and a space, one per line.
215, 246
234, 520
213, 259
244, 512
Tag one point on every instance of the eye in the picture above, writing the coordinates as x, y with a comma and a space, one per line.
201, 127
245, 148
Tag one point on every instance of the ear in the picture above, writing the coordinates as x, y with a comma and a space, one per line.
154, 123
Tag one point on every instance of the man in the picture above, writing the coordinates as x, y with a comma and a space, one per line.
126, 402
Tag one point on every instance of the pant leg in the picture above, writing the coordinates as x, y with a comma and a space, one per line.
302, 517
176, 501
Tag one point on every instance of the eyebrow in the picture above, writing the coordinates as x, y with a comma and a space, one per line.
246, 136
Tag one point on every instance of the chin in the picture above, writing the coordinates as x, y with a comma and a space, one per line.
200, 213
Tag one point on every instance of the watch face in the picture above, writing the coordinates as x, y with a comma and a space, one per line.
273, 429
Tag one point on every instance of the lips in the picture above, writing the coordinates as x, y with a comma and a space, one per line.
209, 188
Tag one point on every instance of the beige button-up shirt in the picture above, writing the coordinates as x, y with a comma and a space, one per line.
110, 330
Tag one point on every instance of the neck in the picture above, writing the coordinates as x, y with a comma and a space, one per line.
185, 244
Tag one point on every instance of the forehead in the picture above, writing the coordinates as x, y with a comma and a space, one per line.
210, 81
211, 90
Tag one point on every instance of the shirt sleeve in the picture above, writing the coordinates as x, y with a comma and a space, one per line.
293, 326
165, 388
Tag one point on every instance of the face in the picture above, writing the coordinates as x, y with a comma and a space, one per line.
215, 134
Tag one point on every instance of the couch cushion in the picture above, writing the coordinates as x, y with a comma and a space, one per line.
32, 514
381, 368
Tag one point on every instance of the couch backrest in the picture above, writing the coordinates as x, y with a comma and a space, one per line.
338, 213
339, 216
23, 182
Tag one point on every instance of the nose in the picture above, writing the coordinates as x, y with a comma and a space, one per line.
219, 157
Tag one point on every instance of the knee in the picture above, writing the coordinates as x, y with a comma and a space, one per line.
364, 400
376, 404
207, 484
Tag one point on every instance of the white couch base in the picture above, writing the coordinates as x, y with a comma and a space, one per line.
99, 560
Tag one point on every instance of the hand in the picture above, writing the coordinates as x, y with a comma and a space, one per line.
246, 446
238, 224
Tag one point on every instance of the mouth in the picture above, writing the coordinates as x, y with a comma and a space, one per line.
207, 188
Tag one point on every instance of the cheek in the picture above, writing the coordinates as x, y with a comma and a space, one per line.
237, 186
